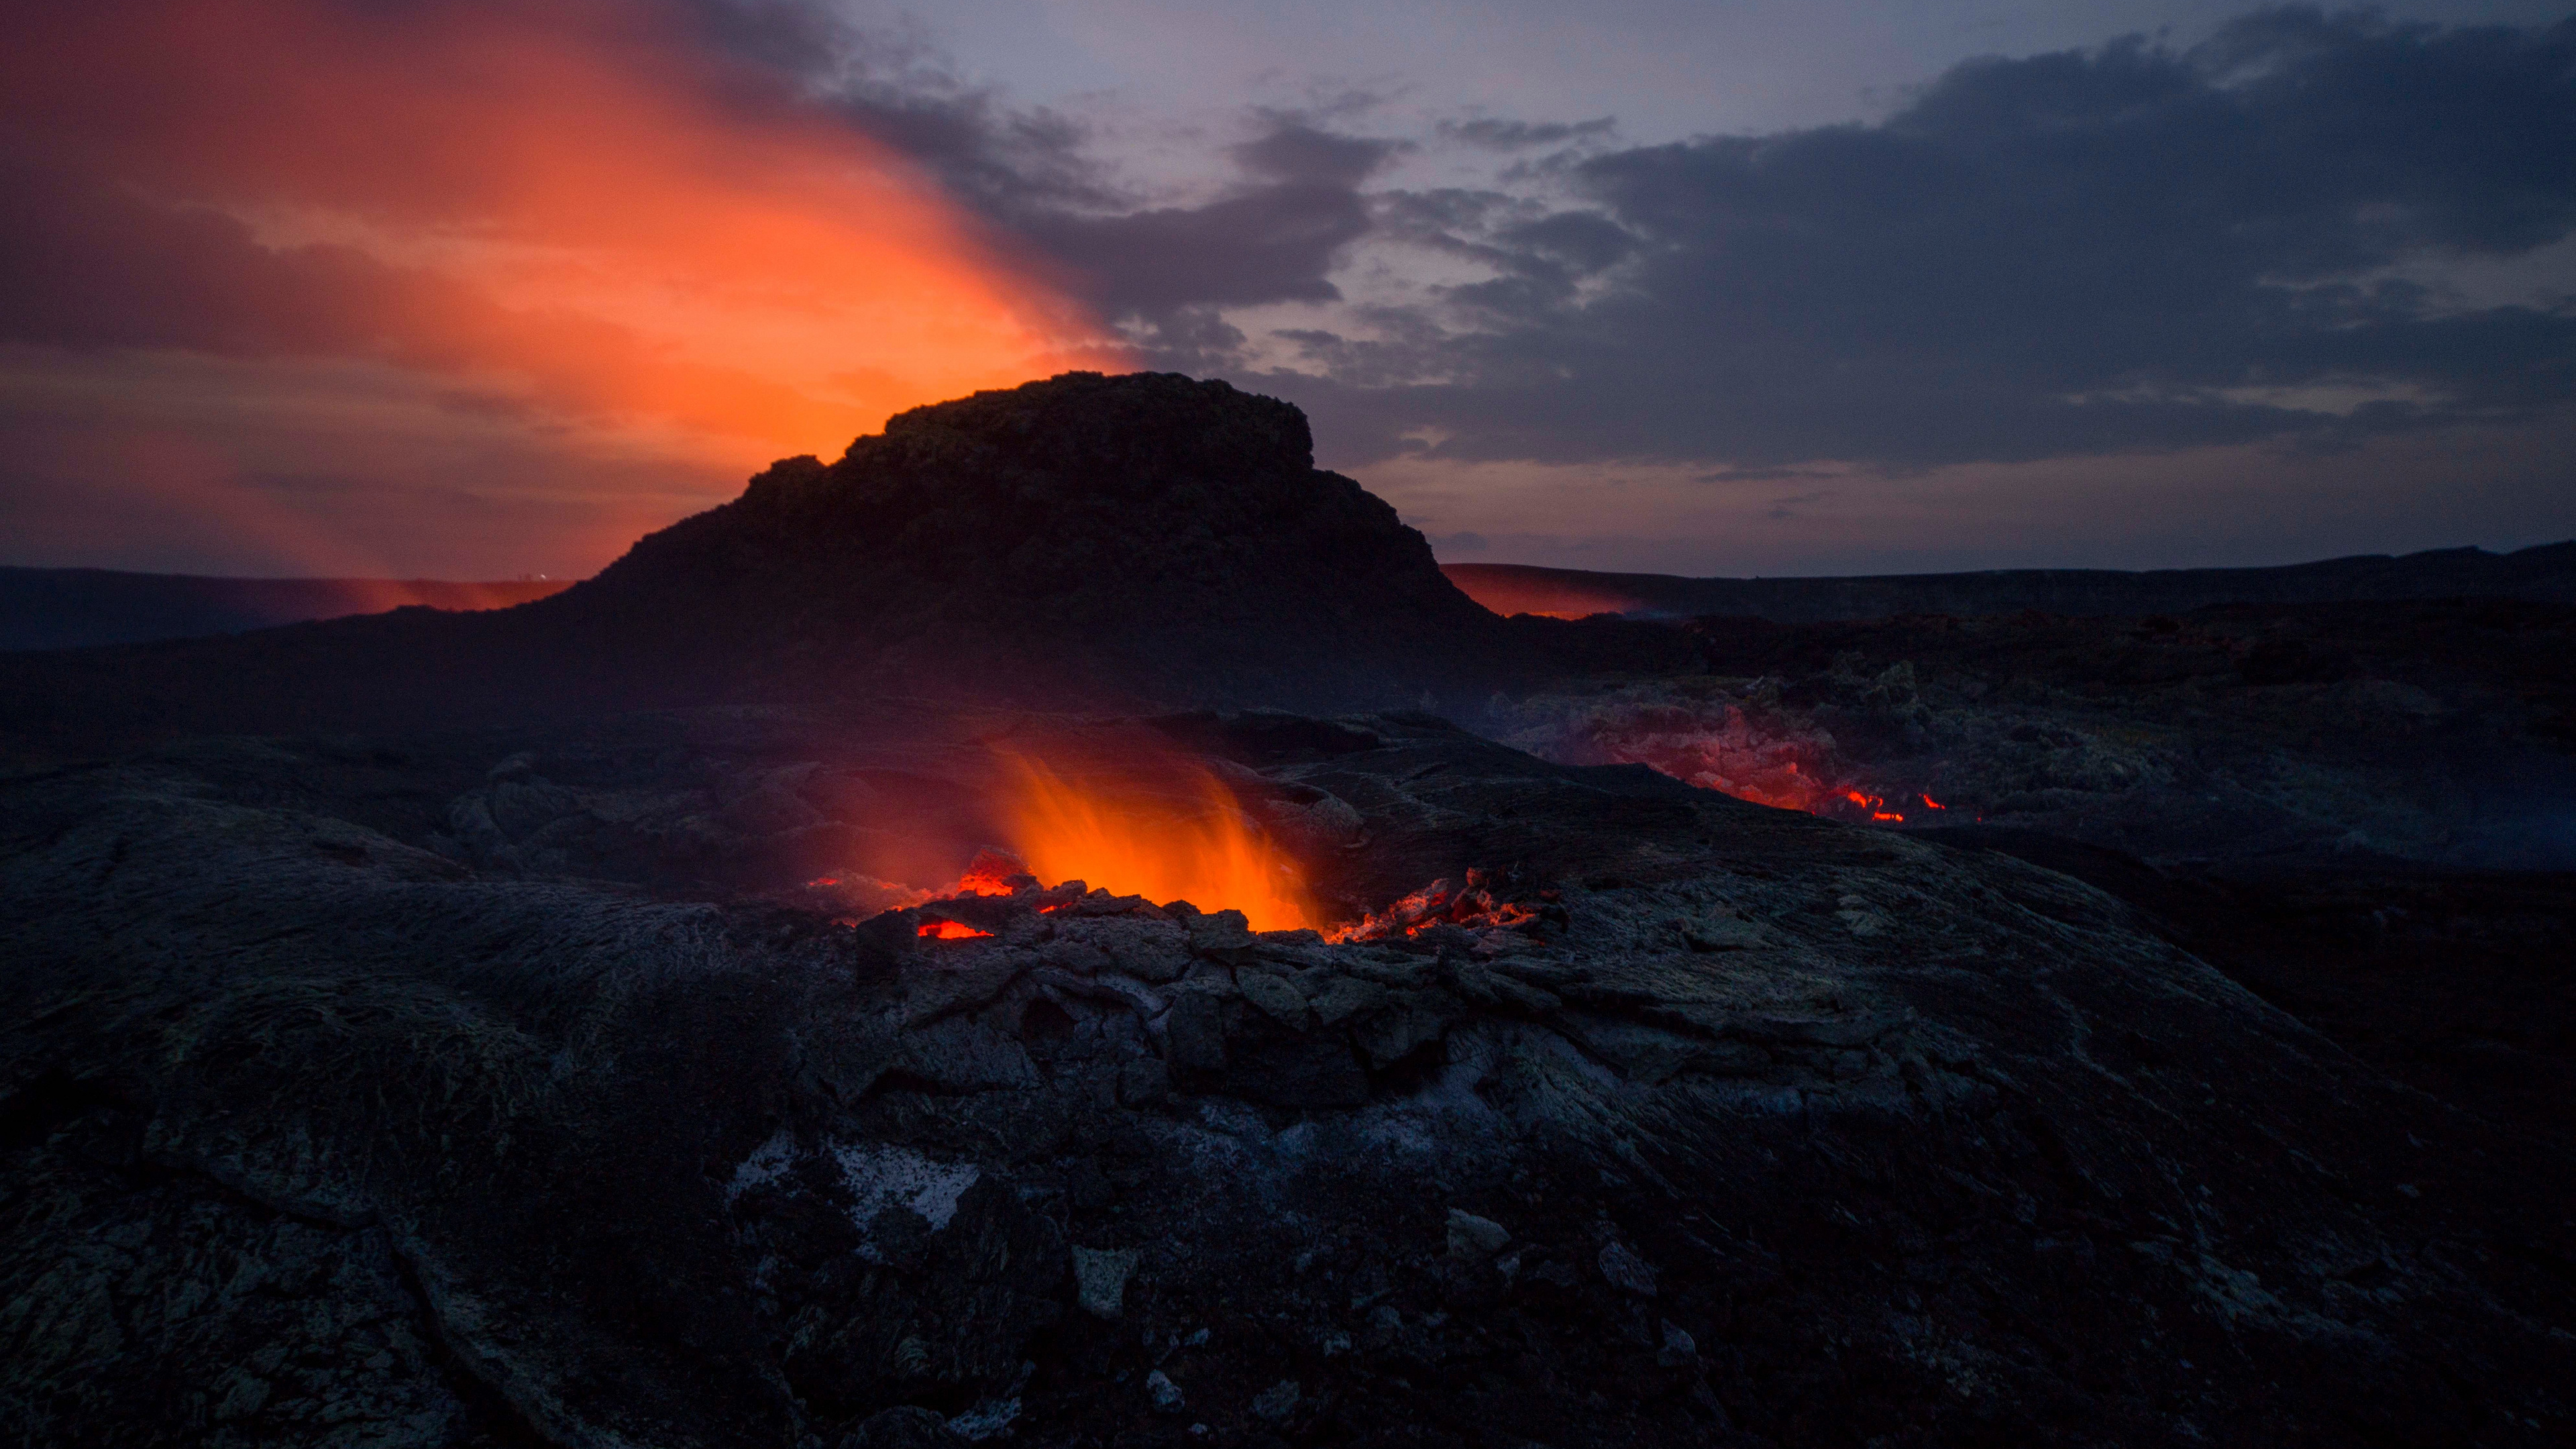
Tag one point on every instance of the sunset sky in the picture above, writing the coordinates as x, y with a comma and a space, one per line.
414, 287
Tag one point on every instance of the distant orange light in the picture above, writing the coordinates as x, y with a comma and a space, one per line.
574, 212
1935, 804
1508, 590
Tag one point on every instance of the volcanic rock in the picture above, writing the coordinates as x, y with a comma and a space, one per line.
1168, 536
316, 1121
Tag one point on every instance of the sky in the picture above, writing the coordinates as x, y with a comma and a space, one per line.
434, 288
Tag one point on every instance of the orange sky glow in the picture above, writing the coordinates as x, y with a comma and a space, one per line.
553, 214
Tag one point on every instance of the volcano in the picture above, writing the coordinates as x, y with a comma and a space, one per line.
876, 969
1082, 541
1149, 535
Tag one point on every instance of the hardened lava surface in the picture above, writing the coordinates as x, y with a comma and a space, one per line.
498, 1089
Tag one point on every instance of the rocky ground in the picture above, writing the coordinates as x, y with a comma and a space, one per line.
562, 1025
2439, 732
513, 1088
2365, 812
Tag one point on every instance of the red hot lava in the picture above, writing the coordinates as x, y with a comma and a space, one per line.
1146, 823
1740, 753
938, 930
1474, 906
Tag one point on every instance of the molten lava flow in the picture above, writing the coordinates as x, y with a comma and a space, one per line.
1480, 905
990, 873
951, 931
1875, 805
1186, 841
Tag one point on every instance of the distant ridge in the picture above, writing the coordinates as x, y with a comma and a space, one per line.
75, 608
2543, 574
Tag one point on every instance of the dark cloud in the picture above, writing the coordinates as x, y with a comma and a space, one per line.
2085, 252
1272, 243
898, 89
1294, 152
1038, 177
1501, 135
1274, 237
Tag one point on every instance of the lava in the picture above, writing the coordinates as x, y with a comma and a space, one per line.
1181, 837
938, 930
1474, 906
990, 873
1874, 804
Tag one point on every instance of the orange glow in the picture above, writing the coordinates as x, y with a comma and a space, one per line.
1509, 589
573, 212
1472, 906
1876, 806
1735, 754
1186, 840
951, 931
1931, 803
989, 874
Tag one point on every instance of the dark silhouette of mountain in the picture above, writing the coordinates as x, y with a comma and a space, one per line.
1172, 536
2545, 574
78, 608
1083, 541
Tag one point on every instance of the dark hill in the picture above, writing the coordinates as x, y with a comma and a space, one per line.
1148, 532
79, 608
1082, 541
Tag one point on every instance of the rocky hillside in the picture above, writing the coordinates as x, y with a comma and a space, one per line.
473, 1091
1148, 531
78, 608
1082, 541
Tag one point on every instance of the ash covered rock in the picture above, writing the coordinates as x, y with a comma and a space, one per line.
1773, 1130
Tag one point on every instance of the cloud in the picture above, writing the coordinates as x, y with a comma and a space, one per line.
2079, 253
1273, 235
1276, 235
1494, 134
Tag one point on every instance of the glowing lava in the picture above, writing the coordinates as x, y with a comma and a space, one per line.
1875, 805
1184, 840
951, 931
1474, 906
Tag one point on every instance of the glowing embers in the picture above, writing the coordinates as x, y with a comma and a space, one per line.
1751, 755
991, 874
1167, 831
1484, 903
